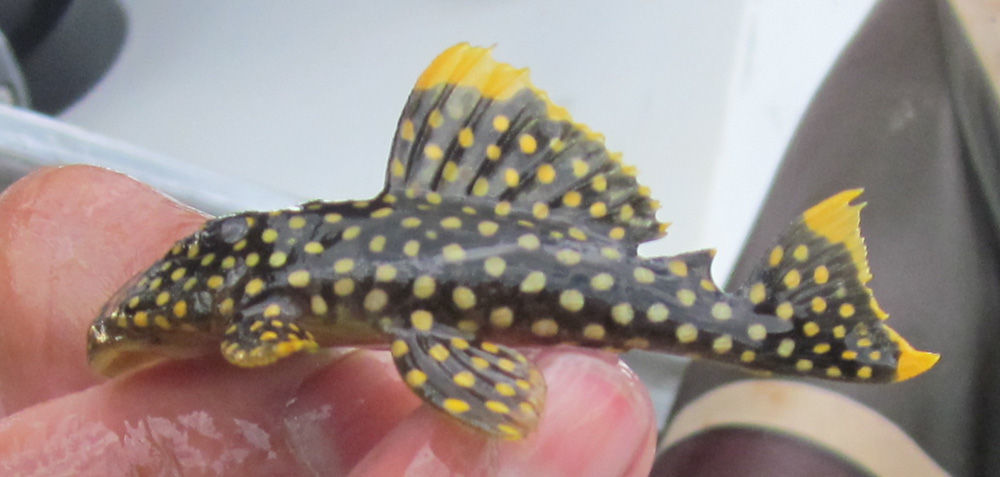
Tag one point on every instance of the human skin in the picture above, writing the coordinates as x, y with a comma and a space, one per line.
70, 236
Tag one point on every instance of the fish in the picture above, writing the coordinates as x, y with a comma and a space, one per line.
503, 223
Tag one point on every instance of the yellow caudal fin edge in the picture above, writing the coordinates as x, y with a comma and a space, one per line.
912, 362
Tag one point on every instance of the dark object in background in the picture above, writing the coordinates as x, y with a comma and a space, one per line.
63, 47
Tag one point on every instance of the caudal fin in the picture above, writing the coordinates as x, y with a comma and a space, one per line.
815, 278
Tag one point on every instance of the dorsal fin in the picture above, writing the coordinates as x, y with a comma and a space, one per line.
477, 129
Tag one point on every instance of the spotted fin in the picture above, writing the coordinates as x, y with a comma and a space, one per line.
484, 385
476, 128
815, 277
263, 334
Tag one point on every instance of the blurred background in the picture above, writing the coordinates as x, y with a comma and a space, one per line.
230, 105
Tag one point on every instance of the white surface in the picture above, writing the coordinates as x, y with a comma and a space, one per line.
303, 97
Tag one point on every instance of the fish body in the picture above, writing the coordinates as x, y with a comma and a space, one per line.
503, 223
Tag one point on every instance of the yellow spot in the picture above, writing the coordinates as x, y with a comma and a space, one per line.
643, 275
481, 187
598, 209
502, 208
534, 282
522, 384
410, 222
501, 123
776, 255
277, 259
801, 253
502, 317
722, 344
422, 320
839, 331
178, 274
351, 232
497, 407
792, 279
865, 372
821, 348
162, 298
190, 283
757, 293
296, 222
804, 365
466, 138
540, 210
722, 311
577, 234
269, 235
686, 297
450, 172
343, 287
527, 143
504, 389
528, 242
453, 252
451, 223
268, 336
439, 353
240, 245
757, 332
318, 305
599, 183
511, 177
313, 248
495, 266
875, 355
509, 432
821, 275
506, 365
568, 257
818, 305
385, 273
465, 379
381, 213
162, 322
785, 311
572, 199
193, 251
493, 152
622, 313
252, 260
141, 319
228, 263
411, 248
377, 244
423, 286
343, 265
546, 173
399, 349
459, 343
463, 297
657, 313
433, 152
415, 378
406, 130
748, 356
846, 310
580, 168
435, 119
834, 372
617, 233
545, 327
786, 347
602, 282
332, 217
487, 228
180, 309
810, 329
687, 333
593, 331
272, 310
864, 342
398, 169
610, 253
375, 300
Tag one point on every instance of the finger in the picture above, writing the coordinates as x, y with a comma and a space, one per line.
597, 421
204, 417
69, 237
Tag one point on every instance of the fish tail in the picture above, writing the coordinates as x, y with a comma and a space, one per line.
813, 312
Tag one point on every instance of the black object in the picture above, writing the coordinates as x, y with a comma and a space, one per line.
63, 46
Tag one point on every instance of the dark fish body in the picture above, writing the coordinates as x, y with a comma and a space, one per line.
503, 223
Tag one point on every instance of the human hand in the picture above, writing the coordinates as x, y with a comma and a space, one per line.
69, 237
